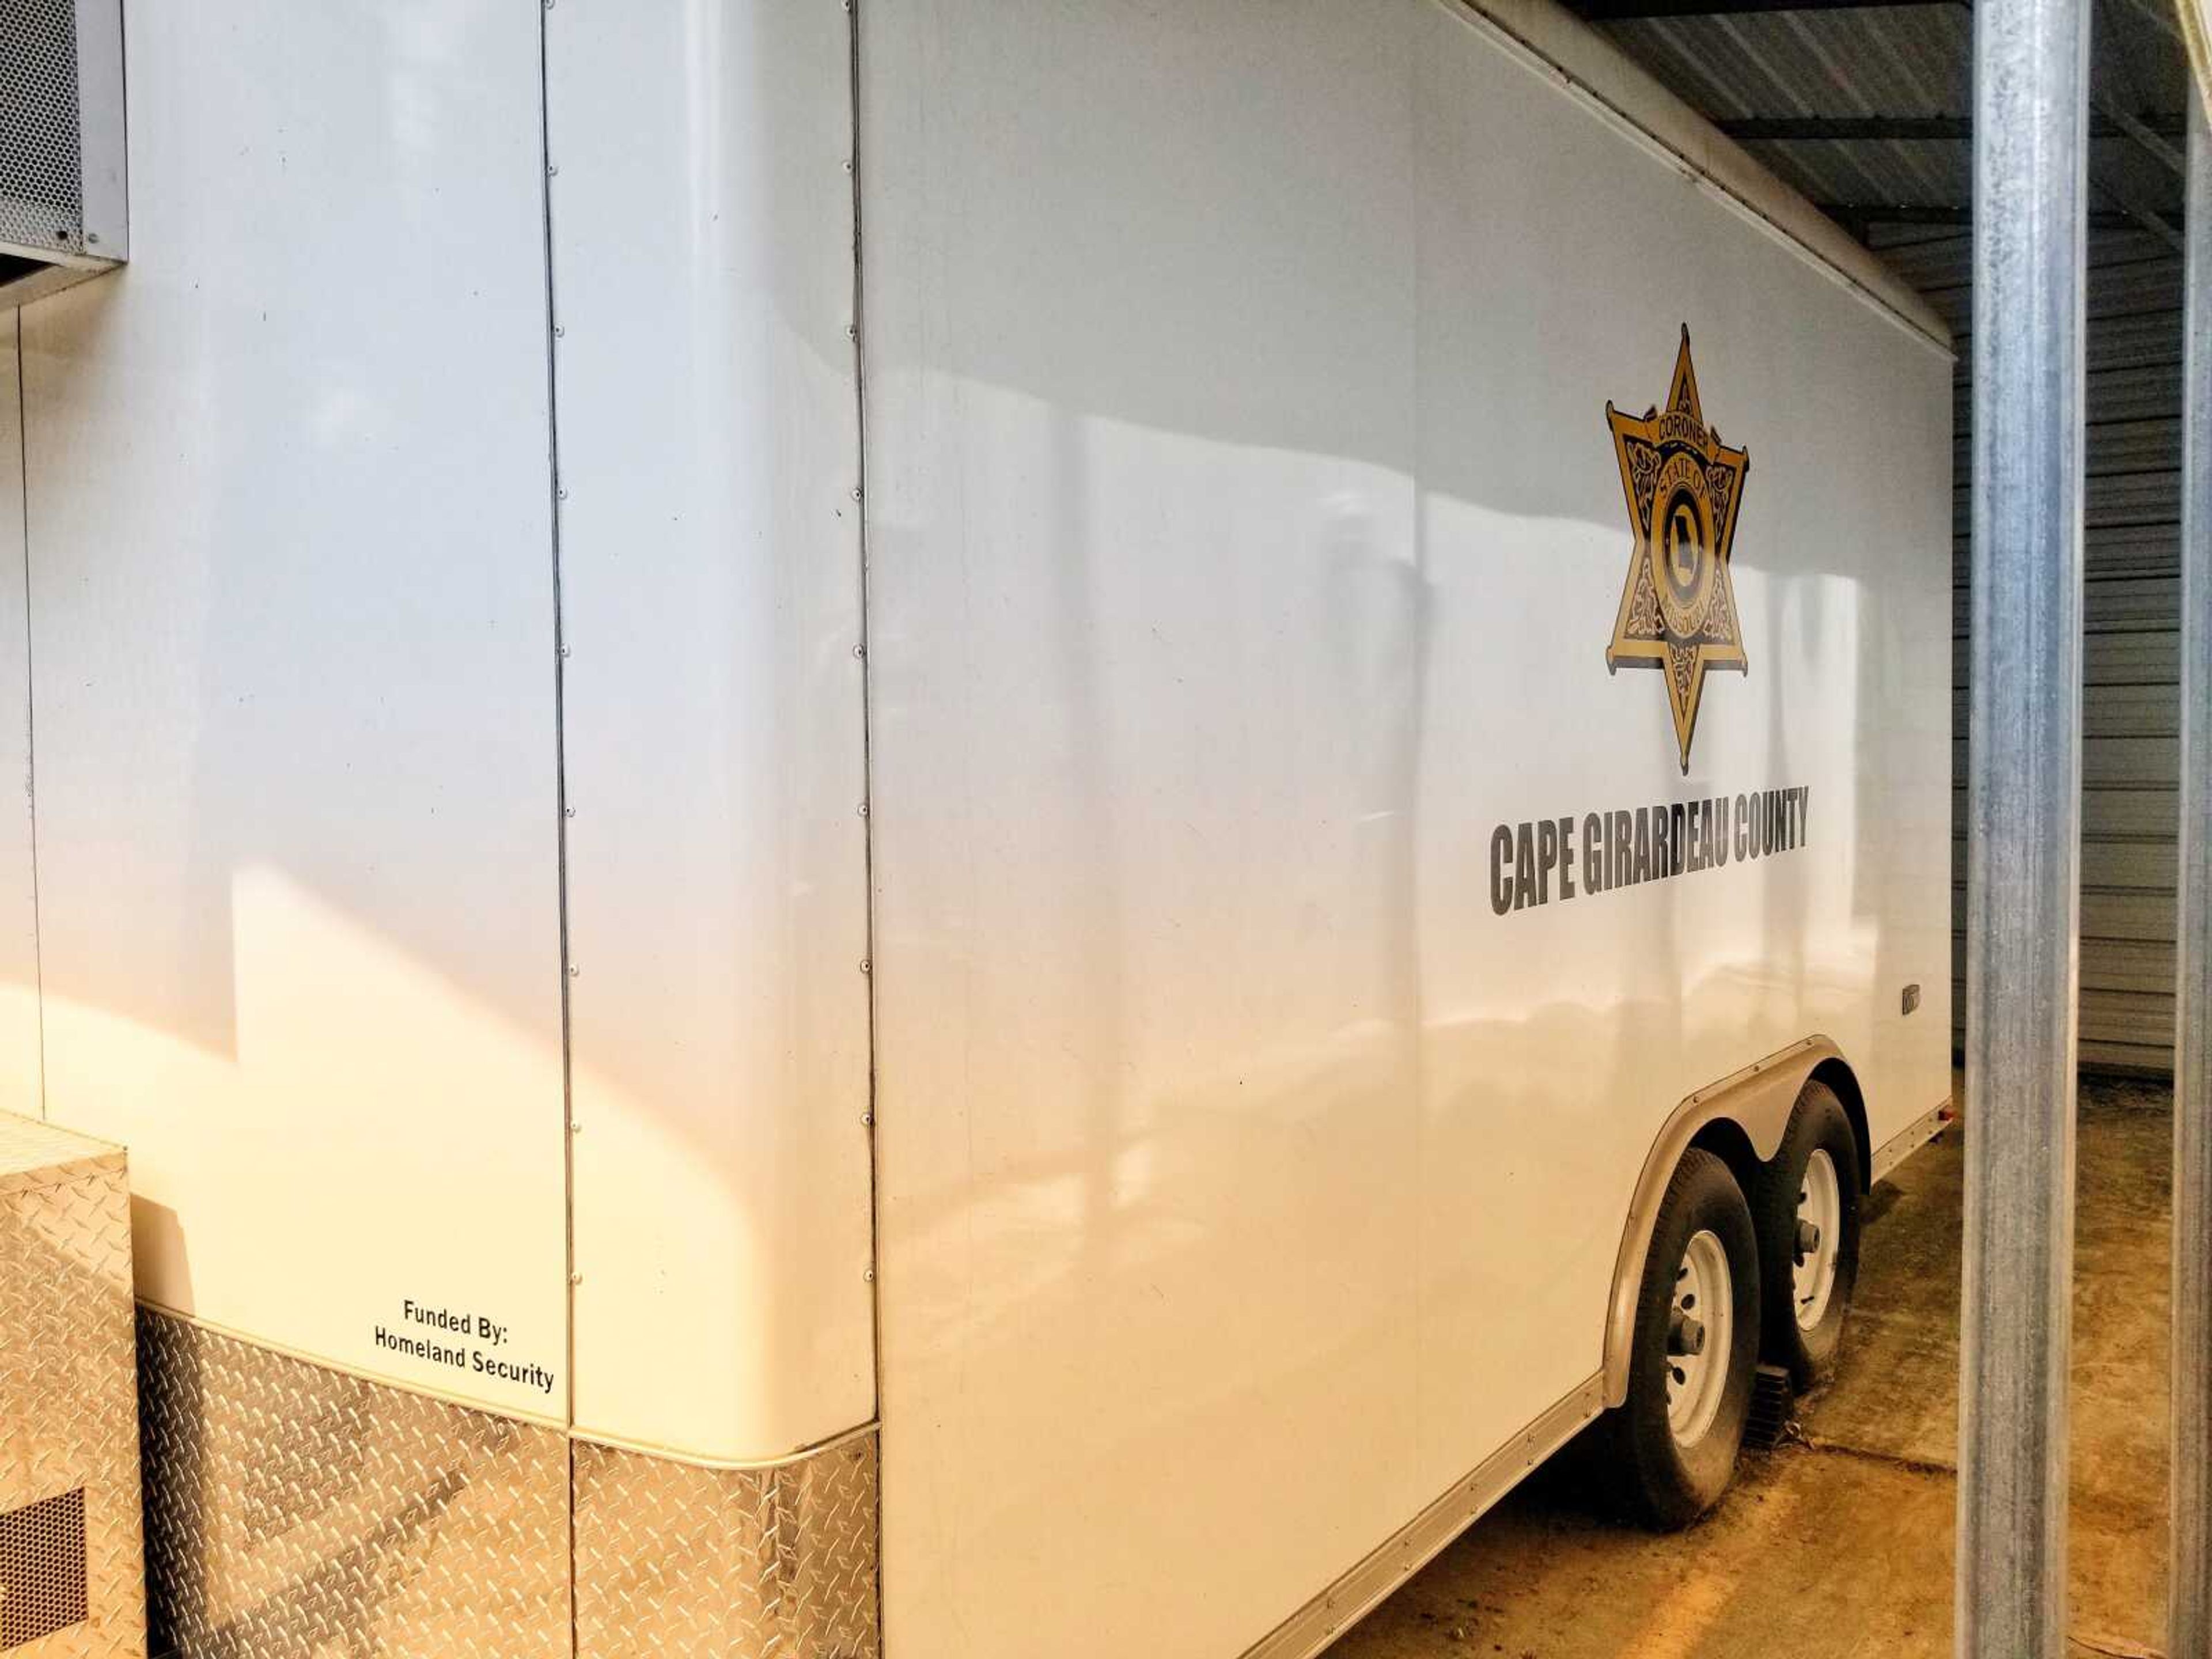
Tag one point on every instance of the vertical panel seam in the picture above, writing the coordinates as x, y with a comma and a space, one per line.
563, 968
30, 722
867, 776
867, 756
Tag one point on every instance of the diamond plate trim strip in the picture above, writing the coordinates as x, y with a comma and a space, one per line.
746, 1564
296, 1512
67, 1370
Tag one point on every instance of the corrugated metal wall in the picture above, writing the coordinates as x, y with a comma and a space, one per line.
2130, 708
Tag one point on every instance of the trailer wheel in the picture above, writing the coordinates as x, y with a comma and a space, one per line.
1673, 1442
1808, 1236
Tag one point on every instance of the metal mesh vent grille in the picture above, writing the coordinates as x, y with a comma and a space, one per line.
41, 170
42, 1587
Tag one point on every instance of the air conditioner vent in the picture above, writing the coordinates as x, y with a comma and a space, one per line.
42, 1583
61, 203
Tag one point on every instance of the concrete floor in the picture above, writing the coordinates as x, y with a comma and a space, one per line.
1841, 1545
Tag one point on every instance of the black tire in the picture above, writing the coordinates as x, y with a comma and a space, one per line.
1661, 1481
1818, 1123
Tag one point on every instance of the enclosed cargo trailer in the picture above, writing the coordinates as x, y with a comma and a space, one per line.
985, 798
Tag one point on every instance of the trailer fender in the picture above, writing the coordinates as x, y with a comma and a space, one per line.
1758, 1100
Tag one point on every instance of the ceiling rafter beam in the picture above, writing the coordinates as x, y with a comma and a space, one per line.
1858, 216
2146, 217
2158, 17
2150, 143
1618, 11
2108, 122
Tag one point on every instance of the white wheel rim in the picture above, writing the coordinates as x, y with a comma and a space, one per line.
1704, 1300
1819, 1206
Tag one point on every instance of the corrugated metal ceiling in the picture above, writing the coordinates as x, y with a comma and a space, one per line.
1748, 62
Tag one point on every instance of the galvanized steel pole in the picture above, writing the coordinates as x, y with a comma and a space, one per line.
2190, 1630
2031, 138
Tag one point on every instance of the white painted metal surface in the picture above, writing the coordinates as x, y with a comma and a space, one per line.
292, 604
1245, 542
19, 915
710, 561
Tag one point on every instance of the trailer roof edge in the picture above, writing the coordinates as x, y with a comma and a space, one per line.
1589, 62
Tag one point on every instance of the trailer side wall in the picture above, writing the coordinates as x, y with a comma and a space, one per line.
1247, 539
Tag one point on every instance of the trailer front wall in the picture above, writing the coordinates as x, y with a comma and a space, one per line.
297, 542
444, 625
1246, 539
292, 631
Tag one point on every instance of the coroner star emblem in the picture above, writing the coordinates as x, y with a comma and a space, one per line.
1683, 486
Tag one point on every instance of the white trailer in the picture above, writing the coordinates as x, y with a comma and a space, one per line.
877, 797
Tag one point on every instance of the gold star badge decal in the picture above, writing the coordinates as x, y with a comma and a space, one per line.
1683, 486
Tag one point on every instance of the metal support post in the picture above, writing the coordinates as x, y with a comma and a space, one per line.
2031, 141
2190, 1628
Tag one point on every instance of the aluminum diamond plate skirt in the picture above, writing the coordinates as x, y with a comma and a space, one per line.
296, 1512
670, 1558
66, 1423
